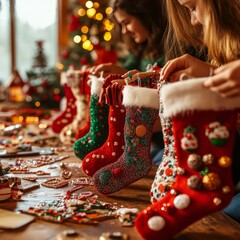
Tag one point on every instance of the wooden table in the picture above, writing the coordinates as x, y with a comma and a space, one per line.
213, 227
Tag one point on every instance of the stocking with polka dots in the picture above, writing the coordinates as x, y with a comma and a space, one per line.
167, 169
98, 131
204, 129
70, 111
142, 107
113, 148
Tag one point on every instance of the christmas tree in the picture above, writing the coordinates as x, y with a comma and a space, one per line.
43, 87
90, 34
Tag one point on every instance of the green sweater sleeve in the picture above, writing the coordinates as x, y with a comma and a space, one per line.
132, 63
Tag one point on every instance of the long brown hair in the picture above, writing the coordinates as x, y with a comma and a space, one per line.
152, 15
221, 31
181, 34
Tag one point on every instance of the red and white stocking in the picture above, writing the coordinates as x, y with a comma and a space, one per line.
204, 129
70, 111
78, 81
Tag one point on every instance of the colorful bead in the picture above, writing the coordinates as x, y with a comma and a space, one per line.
211, 181
194, 161
208, 159
194, 182
225, 161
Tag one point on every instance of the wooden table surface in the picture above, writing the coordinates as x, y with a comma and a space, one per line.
213, 227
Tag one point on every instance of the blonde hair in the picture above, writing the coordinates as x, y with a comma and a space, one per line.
180, 34
221, 31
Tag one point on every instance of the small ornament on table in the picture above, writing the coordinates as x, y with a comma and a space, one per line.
127, 216
55, 183
113, 235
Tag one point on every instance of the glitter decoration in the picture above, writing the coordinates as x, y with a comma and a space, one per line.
225, 162
211, 181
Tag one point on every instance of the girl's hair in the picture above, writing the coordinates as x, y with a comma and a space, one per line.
152, 15
181, 35
221, 30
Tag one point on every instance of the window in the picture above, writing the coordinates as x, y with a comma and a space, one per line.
5, 56
33, 20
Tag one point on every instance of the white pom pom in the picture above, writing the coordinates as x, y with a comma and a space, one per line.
181, 201
156, 223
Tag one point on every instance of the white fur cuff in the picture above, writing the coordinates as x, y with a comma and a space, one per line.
140, 97
96, 85
191, 95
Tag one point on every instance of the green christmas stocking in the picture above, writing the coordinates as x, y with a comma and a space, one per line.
98, 131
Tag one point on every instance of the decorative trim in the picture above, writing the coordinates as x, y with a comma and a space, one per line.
189, 95
140, 97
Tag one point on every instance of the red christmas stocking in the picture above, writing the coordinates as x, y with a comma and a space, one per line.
67, 116
142, 107
78, 82
204, 127
113, 148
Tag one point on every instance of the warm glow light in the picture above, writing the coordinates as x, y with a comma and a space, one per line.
28, 98
106, 21
108, 10
84, 38
42, 125
17, 119
81, 12
84, 29
96, 5
77, 39
56, 90
31, 120
59, 66
109, 27
69, 132
86, 44
99, 16
107, 36
91, 12
89, 4
37, 104
90, 48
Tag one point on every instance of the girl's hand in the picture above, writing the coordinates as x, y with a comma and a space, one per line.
226, 80
107, 68
127, 77
185, 65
